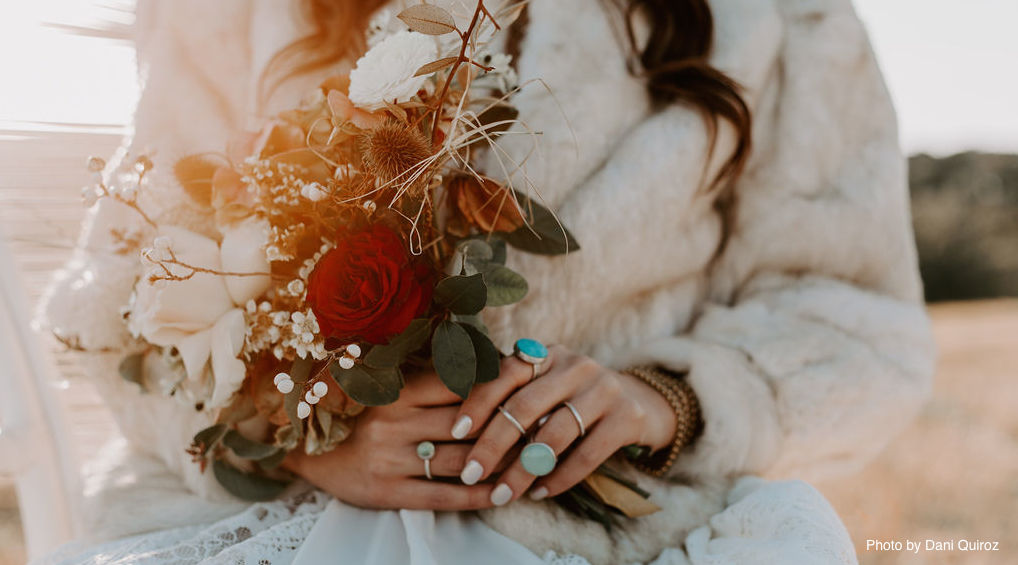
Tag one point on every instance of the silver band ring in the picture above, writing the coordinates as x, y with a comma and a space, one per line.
579, 419
516, 423
426, 452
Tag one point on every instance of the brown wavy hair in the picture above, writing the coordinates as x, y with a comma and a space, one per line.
674, 63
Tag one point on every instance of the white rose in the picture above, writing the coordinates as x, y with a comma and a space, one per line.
203, 316
386, 72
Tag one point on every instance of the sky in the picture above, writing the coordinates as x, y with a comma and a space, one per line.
950, 66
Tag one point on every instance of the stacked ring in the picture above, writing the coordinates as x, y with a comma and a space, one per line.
576, 415
530, 351
512, 420
426, 451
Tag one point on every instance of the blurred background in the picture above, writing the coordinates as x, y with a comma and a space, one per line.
68, 89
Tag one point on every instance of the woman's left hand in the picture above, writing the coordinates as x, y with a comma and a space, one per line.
617, 410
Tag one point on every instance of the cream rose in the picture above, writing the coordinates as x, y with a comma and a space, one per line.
202, 316
386, 72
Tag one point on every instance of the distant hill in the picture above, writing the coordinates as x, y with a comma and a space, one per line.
965, 213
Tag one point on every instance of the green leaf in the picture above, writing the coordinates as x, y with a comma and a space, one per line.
472, 320
462, 294
498, 250
209, 437
396, 351
272, 461
452, 351
246, 486
367, 385
247, 448
475, 254
543, 235
488, 359
505, 286
130, 368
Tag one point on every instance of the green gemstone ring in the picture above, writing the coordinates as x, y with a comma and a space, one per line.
426, 451
538, 459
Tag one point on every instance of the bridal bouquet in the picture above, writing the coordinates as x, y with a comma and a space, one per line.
355, 237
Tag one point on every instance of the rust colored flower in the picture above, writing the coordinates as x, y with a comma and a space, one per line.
368, 287
487, 205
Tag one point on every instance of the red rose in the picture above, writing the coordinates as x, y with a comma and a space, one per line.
368, 287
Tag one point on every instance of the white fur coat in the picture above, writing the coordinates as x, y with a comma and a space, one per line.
807, 344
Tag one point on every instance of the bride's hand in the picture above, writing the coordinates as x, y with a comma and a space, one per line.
617, 410
378, 466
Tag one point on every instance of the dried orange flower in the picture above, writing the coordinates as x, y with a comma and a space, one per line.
487, 205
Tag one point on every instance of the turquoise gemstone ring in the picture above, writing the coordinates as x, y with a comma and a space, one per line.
538, 459
530, 351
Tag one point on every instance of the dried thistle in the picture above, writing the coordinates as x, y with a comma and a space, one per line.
393, 149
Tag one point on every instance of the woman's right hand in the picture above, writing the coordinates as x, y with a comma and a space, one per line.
378, 466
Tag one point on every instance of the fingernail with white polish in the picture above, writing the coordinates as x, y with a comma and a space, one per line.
501, 494
471, 472
538, 493
462, 427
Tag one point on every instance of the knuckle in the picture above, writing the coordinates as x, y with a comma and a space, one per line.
376, 466
454, 462
523, 404
586, 458
373, 430
586, 364
609, 386
437, 499
556, 435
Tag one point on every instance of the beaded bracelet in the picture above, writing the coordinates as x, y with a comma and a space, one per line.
689, 422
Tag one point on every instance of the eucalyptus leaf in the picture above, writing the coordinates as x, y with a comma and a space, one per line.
505, 286
246, 486
475, 255
452, 352
475, 249
543, 234
209, 437
368, 385
396, 351
488, 359
130, 368
247, 448
472, 320
498, 250
462, 294
272, 460
428, 19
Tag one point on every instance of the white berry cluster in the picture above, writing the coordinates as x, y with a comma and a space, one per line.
284, 383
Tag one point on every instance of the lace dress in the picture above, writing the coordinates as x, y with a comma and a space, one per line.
781, 523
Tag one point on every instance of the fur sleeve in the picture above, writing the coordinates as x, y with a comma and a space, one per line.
815, 348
